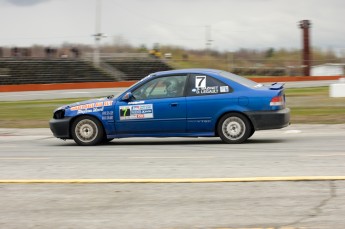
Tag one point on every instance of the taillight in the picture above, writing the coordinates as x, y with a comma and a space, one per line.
277, 101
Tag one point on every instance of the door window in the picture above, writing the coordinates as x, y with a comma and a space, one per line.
163, 87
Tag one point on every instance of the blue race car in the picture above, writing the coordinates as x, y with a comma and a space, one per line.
177, 103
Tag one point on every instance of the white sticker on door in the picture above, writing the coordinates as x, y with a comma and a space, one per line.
136, 112
200, 81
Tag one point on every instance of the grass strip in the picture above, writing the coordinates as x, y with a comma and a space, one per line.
308, 105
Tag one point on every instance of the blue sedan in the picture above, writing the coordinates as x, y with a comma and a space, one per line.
177, 103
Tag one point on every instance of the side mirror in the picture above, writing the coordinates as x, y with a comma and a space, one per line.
128, 96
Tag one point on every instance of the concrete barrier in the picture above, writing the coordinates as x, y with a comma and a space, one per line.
337, 89
63, 86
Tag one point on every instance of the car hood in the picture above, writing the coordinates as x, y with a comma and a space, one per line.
87, 104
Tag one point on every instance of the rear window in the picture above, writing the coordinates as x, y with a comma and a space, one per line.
201, 84
239, 79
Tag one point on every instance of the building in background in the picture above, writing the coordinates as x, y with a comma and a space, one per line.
328, 70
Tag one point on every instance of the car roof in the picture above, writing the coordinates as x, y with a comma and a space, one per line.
190, 70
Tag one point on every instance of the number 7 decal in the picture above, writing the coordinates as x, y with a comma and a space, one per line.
200, 81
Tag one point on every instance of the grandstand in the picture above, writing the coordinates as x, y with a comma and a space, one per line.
136, 69
43, 71
259, 71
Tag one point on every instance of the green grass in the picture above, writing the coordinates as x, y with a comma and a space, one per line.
324, 115
308, 105
314, 111
31, 110
30, 114
312, 91
313, 105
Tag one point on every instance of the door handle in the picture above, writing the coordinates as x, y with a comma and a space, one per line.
173, 104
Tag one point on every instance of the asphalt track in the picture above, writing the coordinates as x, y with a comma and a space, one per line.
288, 178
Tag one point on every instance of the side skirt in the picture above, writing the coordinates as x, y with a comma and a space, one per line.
203, 134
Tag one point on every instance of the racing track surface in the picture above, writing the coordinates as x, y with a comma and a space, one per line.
299, 150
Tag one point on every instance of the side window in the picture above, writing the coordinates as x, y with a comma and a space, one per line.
206, 85
163, 87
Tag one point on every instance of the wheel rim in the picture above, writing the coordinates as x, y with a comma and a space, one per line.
86, 130
233, 128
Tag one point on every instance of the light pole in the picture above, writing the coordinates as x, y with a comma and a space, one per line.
98, 35
208, 38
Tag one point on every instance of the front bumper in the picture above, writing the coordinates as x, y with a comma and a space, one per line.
61, 127
265, 120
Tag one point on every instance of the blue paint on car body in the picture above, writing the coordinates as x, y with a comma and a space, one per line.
187, 102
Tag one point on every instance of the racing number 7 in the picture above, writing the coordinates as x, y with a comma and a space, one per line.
200, 81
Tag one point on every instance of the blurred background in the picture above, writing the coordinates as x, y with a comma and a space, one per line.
76, 41
251, 38
57, 52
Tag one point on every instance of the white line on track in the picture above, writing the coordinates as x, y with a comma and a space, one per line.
325, 155
293, 132
23, 158
170, 157
175, 180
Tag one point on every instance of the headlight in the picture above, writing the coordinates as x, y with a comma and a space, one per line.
59, 114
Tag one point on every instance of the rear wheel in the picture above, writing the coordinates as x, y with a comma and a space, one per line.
234, 128
87, 131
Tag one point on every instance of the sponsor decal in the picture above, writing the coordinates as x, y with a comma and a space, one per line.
98, 106
207, 90
107, 115
142, 107
84, 111
224, 89
136, 102
199, 121
136, 112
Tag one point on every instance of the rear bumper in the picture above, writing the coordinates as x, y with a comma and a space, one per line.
265, 120
60, 127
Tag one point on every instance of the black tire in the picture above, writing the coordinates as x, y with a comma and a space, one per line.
234, 128
251, 133
87, 131
106, 140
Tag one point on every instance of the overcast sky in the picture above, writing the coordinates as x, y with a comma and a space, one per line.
234, 24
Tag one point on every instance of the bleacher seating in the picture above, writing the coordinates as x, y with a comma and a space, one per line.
43, 71
261, 71
137, 69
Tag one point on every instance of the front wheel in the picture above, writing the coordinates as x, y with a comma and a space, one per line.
106, 140
87, 131
234, 128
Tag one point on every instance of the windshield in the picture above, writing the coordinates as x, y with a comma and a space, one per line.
239, 79
133, 86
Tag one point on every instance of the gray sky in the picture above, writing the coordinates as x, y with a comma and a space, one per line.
234, 24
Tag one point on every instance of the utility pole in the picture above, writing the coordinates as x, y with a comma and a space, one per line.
208, 37
98, 35
306, 55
